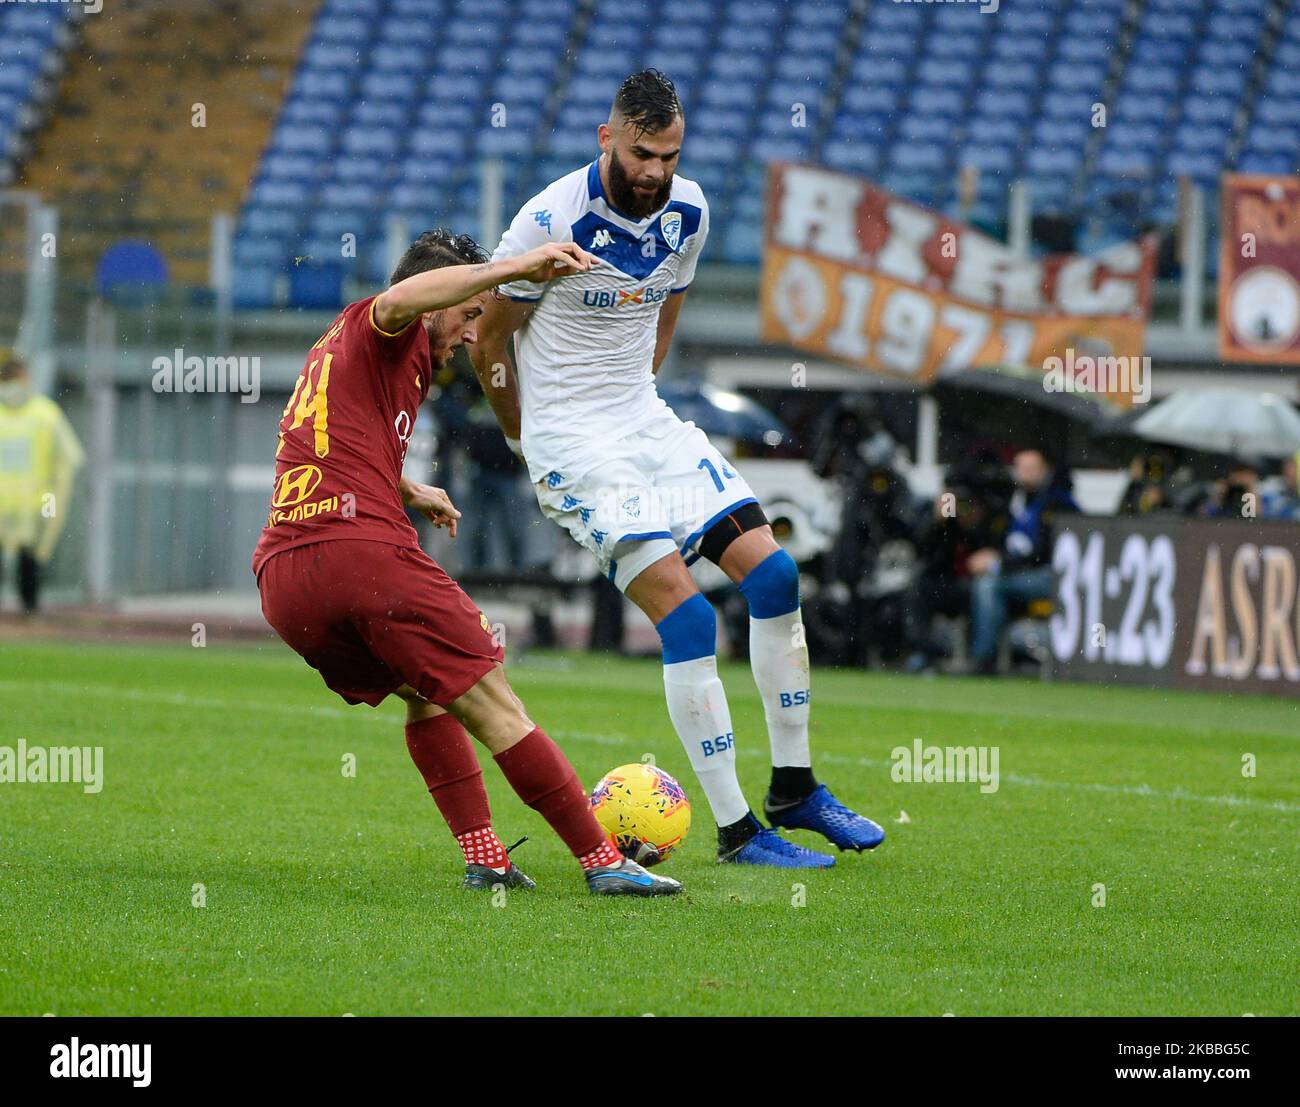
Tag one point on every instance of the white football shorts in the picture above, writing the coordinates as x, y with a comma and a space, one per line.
660, 489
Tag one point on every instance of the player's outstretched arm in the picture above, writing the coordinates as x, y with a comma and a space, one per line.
435, 289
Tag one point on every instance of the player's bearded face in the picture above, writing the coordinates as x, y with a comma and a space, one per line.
441, 343
628, 187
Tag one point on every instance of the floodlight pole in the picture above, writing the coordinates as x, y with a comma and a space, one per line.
221, 279
927, 431
491, 202
396, 240
35, 338
1191, 253
1019, 217
221, 271
101, 351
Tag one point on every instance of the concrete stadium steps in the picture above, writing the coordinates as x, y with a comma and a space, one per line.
121, 158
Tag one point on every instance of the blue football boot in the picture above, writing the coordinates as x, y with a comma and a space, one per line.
627, 878
768, 848
823, 813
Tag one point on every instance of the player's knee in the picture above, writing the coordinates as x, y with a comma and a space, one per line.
417, 710
772, 586
689, 631
417, 707
634, 558
738, 524
492, 712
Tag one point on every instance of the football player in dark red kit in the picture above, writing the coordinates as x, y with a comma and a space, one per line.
344, 582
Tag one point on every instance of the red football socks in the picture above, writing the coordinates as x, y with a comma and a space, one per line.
544, 779
444, 754
483, 847
604, 854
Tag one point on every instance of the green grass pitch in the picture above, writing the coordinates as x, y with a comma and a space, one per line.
328, 894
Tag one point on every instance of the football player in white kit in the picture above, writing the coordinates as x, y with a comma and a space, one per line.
644, 492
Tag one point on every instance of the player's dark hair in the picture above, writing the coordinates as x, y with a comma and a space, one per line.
648, 100
436, 249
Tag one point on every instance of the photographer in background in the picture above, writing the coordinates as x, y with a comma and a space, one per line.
1235, 496
856, 613
970, 514
854, 449
1281, 494
1020, 570
1148, 486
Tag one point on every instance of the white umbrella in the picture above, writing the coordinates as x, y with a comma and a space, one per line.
1224, 421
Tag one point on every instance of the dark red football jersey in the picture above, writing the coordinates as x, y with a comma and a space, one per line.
344, 434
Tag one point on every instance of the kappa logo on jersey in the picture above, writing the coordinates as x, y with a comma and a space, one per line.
671, 225
619, 297
603, 238
295, 485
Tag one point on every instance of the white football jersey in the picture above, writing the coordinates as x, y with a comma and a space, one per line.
585, 357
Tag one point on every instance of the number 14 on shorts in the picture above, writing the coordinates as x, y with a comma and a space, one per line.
705, 463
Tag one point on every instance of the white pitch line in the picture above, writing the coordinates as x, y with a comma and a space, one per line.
178, 699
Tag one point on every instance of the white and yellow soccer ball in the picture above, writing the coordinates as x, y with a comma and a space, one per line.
644, 809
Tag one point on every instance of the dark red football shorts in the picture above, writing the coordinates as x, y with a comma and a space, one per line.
372, 617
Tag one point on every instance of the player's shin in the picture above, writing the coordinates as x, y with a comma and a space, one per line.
778, 655
697, 705
544, 779
444, 754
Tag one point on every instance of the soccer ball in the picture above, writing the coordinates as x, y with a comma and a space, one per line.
645, 810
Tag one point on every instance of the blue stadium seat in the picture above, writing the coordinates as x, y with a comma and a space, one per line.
1044, 161
260, 252
999, 159
852, 157
285, 194
271, 222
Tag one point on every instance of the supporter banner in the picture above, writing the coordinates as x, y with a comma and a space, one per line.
1259, 269
853, 272
1189, 603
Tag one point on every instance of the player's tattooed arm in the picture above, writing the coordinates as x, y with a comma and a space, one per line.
433, 503
435, 289
668, 312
